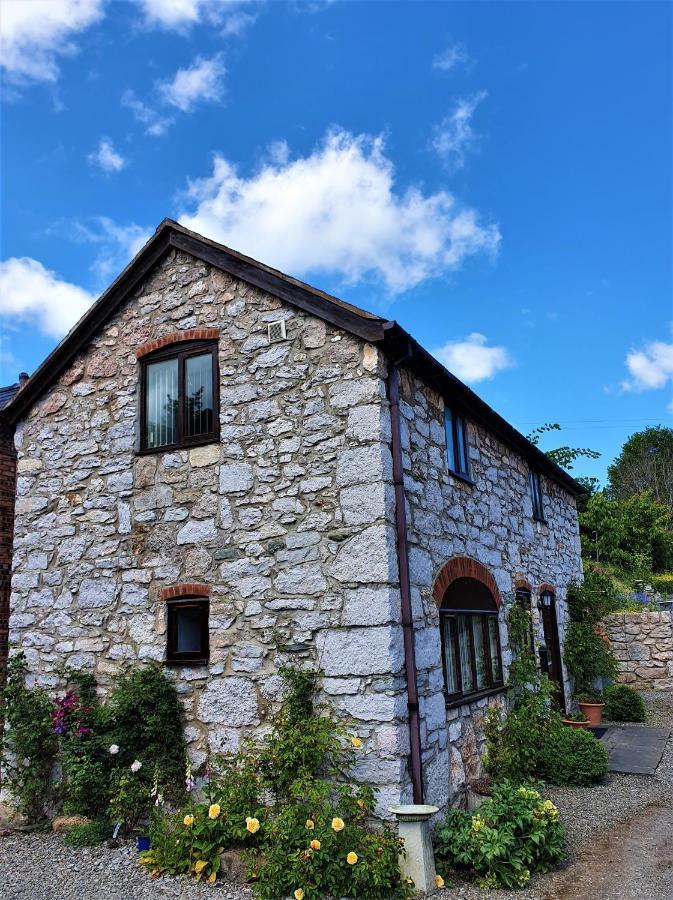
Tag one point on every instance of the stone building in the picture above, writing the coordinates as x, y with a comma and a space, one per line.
219, 460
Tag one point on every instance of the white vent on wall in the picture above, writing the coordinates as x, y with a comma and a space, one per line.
277, 331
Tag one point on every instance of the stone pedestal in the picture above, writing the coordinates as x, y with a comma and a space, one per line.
418, 863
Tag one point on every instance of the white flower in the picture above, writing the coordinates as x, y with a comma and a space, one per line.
136, 765
114, 749
26, 762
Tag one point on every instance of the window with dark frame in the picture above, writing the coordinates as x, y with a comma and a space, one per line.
536, 494
187, 631
457, 450
179, 403
468, 619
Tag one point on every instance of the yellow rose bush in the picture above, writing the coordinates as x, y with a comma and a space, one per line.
515, 833
294, 811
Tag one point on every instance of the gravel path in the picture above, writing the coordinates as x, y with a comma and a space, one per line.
619, 837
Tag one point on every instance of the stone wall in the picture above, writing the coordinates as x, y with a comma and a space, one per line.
642, 643
288, 519
489, 521
7, 497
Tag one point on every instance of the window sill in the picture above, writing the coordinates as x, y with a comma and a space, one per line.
193, 663
172, 448
472, 698
464, 478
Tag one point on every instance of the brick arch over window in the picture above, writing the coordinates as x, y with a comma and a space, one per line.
192, 334
546, 588
463, 567
522, 584
184, 590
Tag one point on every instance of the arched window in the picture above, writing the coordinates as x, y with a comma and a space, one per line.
523, 599
468, 618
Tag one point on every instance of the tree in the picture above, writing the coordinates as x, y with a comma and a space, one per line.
633, 533
565, 457
645, 464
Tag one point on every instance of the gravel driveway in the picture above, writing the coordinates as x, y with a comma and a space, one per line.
619, 835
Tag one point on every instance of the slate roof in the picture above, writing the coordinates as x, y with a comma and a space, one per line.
397, 343
8, 393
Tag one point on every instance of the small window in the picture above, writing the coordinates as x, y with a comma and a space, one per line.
536, 495
456, 443
187, 632
468, 619
523, 599
180, 397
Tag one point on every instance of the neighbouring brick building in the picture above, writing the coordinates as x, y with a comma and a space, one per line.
219, 458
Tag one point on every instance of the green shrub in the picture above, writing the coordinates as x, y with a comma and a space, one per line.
588, 657
663, 583
90, 835
29, 744
624, 704
513, 834
572, 756
147, 725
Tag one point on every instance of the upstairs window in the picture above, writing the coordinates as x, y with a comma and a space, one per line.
187, 632
456, 443
536, 495
468, 619
180, 397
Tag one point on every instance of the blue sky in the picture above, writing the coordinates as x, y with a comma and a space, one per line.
495, 176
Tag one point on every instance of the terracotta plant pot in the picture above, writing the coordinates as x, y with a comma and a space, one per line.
573, 724
593, 712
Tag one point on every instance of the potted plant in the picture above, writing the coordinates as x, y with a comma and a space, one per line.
576, 720
591, 705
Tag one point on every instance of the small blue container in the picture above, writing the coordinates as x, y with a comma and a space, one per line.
142, 843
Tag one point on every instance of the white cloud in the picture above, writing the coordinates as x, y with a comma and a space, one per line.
106, 157
31, 293
472, 360
155, 124
202, 81
116, 244
452, 56
337, 211
454, 136
650, 368
181, 15
33, 33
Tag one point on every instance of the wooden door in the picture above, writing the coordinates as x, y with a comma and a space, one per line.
551, 639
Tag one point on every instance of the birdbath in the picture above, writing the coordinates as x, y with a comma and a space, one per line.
418, 863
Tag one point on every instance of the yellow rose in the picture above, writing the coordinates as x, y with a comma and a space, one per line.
299, 894
356, 742
252, 825
439, 881
315, 845
338, 824
213, 810
310, 824
188, 820
361, 804
352, 858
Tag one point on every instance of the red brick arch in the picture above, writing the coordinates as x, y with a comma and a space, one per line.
184, 590
463, 567
545, 587
191, 334
522, 584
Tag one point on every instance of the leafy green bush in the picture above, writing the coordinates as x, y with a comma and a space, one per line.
28, 742
624, 704
572, 756
92, 834
592, 599
513, 834
588, 657
663, 583
147, 722
81, 724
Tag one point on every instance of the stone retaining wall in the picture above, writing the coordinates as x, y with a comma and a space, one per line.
643, 645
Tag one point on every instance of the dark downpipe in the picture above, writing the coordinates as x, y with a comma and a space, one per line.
405, 585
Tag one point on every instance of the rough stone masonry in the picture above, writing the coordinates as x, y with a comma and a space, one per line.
288, 521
